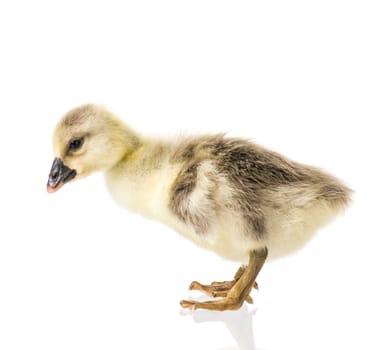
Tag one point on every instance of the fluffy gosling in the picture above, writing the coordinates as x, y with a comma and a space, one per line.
229, 195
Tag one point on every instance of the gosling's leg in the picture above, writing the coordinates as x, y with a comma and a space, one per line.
209, 289
239, 292
220, 289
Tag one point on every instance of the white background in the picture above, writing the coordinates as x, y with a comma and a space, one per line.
77, 272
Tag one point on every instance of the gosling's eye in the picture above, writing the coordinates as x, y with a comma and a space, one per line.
75, 144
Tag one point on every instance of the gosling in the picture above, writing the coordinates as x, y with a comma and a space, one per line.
229, 195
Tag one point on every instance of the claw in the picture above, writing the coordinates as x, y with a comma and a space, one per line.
195, 286
187, 304
249, 300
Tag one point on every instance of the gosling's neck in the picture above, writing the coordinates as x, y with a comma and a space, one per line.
142, 157
125, 142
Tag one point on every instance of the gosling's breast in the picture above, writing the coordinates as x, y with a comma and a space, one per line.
145, 192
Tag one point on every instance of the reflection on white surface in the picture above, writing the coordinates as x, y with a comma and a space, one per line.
239, 323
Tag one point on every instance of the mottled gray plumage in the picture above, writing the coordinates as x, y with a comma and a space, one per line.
254, 173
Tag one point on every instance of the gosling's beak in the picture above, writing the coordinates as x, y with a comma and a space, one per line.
60, 174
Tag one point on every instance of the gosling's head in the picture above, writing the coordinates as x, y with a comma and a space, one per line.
88, 139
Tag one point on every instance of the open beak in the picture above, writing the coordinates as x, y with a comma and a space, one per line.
60, 174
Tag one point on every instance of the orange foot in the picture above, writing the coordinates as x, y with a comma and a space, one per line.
232, 293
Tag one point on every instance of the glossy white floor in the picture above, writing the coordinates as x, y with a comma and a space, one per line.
77, 272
